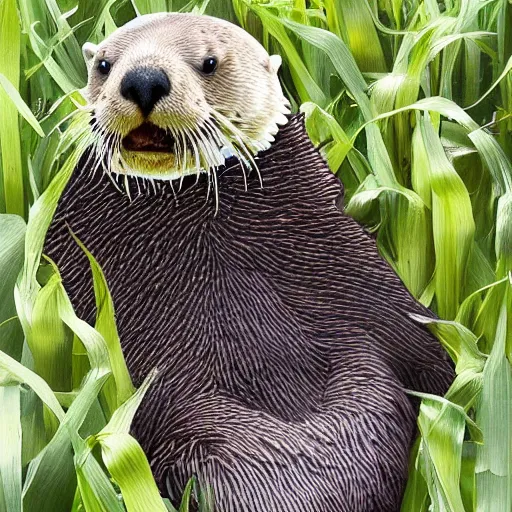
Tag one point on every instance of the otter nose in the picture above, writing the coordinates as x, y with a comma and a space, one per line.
145, 86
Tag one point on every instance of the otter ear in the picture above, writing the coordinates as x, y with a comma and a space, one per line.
275, 63
89, 50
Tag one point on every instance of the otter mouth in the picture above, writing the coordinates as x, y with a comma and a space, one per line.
149, 138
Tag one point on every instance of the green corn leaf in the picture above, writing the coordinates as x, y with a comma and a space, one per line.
440, 453
118, 389
494, 457
123, 416
357, 29
149, 6
10, 447
462, 345
49, 341
472, 69
53, 41
94, 488
453, 223
12, 235
43, 472
45, 475
53, 465
503, 242
413, 245
473, 302
504, 73
129, 467
14, 96
307, 87
416, 492
43, 52
185, 501
346, 67
321, 127
492, 154
40, 217
10, 146
125, 459
420, 178
458, 340
13, 371
338, 53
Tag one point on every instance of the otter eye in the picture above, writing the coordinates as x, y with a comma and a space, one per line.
209, 65
104, 67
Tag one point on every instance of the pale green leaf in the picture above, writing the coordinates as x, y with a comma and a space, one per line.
15, 97
10, 448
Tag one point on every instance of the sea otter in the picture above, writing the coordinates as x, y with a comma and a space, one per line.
283, 341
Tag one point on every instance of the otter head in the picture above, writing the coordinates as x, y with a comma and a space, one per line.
174, 94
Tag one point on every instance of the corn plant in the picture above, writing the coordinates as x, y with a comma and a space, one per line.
409, 102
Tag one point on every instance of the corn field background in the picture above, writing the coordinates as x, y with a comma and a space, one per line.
409, 101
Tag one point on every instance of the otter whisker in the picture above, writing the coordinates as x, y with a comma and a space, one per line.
177, 146
181, 140
216, 134
173, 190
95, 132
109, 143
220, 138
124, 167
97, 163
100, 144
216, 190
116, 154
102, 154
197, 145
152, 181
240, 138
224, 141
90, 162
217, 158
117, 164
194, 147
112, 178
203, 145
212, 159
205, 149
250, 159
209, 186
179, 150
184, 151
138, 185
127, 187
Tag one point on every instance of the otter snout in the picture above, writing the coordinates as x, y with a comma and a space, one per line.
145, 86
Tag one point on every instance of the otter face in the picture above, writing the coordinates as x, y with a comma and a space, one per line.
174, 94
